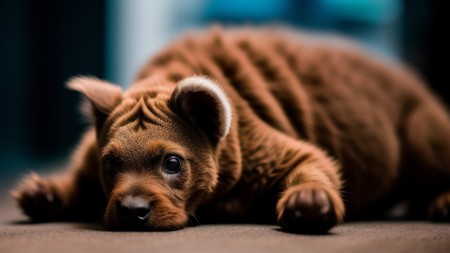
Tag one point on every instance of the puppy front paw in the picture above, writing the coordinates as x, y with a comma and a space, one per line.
439, 209
37, 198
309, 208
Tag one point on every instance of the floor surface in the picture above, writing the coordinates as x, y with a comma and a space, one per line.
17, 235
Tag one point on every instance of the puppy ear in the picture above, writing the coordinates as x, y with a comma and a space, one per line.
203, 103
103, 96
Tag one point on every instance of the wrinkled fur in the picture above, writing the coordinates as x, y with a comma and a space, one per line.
315, 123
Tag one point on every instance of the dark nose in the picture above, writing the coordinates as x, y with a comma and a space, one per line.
134, 210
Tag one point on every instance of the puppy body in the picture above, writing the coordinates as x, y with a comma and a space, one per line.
253, 126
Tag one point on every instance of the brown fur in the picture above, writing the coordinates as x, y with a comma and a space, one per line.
314, 125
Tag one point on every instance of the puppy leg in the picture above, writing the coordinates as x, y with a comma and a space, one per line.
311, 202
75, 195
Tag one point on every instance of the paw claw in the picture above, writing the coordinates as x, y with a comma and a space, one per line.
49, 197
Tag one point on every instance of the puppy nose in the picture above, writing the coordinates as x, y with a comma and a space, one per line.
134, 209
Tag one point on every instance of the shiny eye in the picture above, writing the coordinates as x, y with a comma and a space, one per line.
172, 165
111, 165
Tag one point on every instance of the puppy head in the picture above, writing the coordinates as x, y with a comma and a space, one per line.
158, 143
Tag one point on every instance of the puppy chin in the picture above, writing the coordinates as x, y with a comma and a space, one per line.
161, 216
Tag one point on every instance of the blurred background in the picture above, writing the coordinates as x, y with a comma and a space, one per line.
44, 43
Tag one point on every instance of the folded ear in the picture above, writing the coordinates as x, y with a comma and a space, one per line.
103, 96
204, 104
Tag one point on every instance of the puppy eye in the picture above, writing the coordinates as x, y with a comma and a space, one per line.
172, 164
111, 165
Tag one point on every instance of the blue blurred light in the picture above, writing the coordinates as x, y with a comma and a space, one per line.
249, 9
368, 11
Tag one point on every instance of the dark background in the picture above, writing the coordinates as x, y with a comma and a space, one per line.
43, 43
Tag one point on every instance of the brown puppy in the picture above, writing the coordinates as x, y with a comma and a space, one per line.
253, 126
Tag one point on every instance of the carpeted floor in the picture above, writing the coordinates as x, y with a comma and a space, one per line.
16, 235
